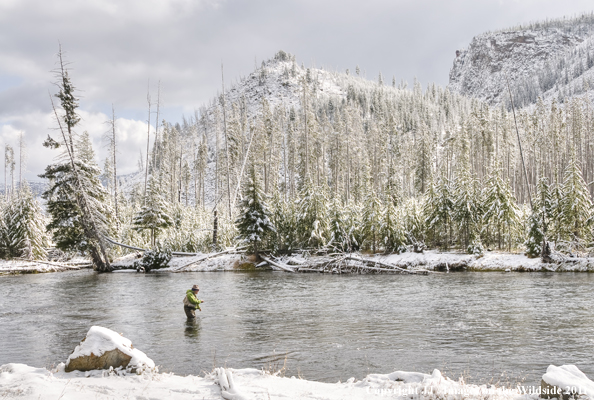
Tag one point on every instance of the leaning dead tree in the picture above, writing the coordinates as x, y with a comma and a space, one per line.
66, 124
342, 263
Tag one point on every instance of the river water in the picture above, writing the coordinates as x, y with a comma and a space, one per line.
501, 327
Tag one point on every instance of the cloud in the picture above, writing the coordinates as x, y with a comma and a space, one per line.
116, 47
130, 135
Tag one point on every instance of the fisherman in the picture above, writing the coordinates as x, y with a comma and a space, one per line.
191, 302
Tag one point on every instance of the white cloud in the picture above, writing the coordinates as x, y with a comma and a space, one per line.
131, 136
115, 46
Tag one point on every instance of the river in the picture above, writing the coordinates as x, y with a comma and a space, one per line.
500, 327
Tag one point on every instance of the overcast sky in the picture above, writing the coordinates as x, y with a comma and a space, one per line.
117, 46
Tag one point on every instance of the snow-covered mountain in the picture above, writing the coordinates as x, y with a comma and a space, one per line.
551, 59
281, 80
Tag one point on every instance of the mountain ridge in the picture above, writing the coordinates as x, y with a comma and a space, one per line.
550, 59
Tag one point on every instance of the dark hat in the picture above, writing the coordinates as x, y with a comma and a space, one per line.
195, 287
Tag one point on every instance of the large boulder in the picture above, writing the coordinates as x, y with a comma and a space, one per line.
103, 348
565, 382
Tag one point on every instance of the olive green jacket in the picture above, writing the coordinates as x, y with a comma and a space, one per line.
191, 300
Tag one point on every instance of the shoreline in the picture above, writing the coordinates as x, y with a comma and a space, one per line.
429, 260
248, 383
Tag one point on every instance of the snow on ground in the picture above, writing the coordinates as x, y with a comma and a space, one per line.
19, 380
570, 379
28, 267
489, 261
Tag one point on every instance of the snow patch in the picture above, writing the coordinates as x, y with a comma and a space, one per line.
570, 379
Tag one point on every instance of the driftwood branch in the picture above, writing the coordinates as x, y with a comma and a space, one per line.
374, 262
62, 265
31, 266
206, 257
278, 265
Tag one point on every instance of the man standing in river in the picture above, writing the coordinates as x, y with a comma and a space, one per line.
191, 302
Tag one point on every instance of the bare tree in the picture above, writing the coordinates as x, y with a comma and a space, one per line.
148, 138
110, 137
22, 157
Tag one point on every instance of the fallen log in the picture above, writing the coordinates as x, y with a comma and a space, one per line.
359, 268
62, 265
375, 262
33, 267
178, 269
283, 267
301, 269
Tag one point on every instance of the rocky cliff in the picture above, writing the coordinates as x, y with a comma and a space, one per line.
551, 59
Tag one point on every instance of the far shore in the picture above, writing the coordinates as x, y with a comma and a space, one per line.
427, 261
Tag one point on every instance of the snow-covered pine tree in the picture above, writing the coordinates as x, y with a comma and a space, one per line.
413, 225
76, 192
312, 216
372, 218
439, 212
424, 148
468, 211
339, 235
68, 224
253, 223
539, 219
153, 214
391, 230
283, 220
24, 234
501, 211
535, 236
575, 204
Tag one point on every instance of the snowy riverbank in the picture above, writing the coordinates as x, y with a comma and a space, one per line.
19, 380
489, 261
8, 267
430, 260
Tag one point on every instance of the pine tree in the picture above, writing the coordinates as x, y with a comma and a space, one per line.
575, 204
24, 234
467, 211
76, 193
439, 212
413, 223
254, 223
392, 232
372, 218
153, 214
337, 226
501, 213
283, 219
312, 222
424, 148
68, 225
535, 236
539, 220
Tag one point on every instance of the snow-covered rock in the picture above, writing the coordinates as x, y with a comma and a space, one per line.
103, 348
566, 380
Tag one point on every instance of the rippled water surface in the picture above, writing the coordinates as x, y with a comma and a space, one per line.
328, 328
